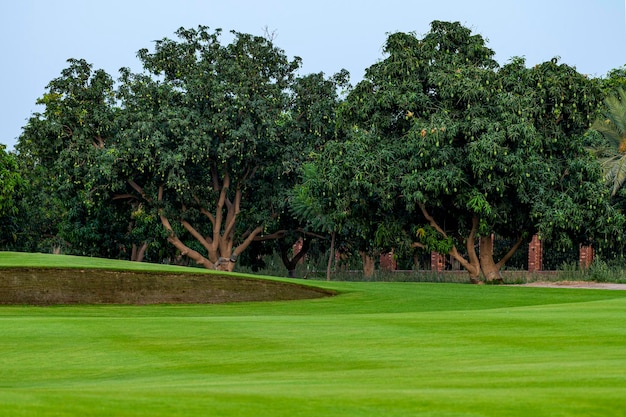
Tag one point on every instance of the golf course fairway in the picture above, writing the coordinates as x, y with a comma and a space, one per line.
375, 349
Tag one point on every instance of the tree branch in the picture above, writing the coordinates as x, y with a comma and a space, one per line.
281, 233
124, 197
306, 244
469, 243
215, 178
510, 253
233, 212
220, 206
140, 190
473, 264
276, 235
204, 211
178, 244
431, 220
196, 234
246, 242
98, 142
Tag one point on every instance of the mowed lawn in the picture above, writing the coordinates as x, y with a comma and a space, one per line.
376, 349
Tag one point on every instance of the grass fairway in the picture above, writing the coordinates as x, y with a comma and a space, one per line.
377, 349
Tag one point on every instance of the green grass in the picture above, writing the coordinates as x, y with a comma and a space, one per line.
377, 349
40, 260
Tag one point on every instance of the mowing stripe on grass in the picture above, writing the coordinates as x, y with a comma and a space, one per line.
377, 349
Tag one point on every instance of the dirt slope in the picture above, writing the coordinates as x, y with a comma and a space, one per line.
59, 286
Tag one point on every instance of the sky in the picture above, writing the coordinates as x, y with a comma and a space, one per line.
38, 36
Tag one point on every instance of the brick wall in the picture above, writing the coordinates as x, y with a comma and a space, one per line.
437, 262
586, 257
535, 255
388, 262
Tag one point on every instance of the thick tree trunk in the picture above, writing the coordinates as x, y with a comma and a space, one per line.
472, 264
219, 246
475, 264
368, 264
491, 270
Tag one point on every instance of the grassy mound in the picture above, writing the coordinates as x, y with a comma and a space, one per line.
108, 282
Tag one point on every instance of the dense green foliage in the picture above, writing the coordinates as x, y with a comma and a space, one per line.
221, 152
10, 182
199, 149
473, 150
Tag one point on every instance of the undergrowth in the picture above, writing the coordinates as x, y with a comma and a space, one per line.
599, 271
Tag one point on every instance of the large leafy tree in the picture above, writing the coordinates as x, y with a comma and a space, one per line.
478, 151
200, 138
58, 150
307, 124
353, 206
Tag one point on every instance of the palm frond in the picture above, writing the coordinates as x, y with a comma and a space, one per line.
617, 174
612, 126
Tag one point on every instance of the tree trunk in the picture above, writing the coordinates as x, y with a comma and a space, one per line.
368, 264
475, 264
472, 266
225, 264
292, 263
491, 270
331, 256
138, 253
416, 262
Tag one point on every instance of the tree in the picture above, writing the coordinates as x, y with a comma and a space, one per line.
309, 122
59, 149
477, 151
612, 125
199, 138
352, 206
614, 80
10, 181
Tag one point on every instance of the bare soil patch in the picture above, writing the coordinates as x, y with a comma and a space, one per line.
90, 286
577, 284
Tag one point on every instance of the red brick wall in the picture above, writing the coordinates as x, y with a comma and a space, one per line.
535, 255
388, 262
437, 262
586, 257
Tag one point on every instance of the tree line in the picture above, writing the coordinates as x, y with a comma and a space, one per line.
218, 153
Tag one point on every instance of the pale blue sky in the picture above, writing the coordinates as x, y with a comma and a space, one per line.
38, 36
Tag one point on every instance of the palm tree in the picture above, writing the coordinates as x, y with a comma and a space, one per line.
612, 125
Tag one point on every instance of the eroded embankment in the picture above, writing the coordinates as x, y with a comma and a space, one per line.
90, 286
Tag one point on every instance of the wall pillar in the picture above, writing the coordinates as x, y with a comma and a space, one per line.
535, 255
585, 258
437, 262
388, 262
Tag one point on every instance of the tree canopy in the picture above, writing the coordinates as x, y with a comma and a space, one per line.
473, 149
215, 144
10, 180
